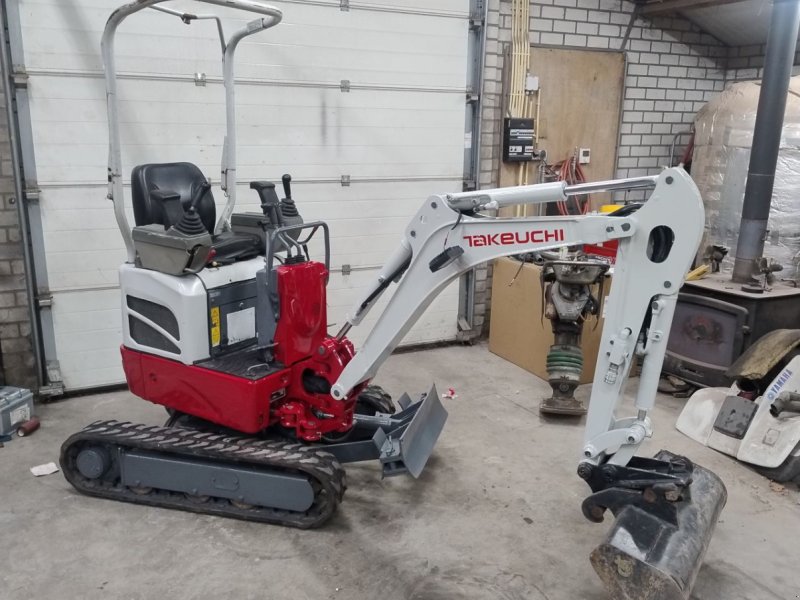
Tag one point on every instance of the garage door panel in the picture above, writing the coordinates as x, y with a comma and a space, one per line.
72, 146
321, 162
298, 132
318, 200
401, 125
72, 273
345, 290
366, 221
88, 354
178, 95
75, 322
85, 208
450, 7
312, 44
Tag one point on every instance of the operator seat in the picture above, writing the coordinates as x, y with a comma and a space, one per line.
163, 192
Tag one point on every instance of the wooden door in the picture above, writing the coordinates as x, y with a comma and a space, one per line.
579, 107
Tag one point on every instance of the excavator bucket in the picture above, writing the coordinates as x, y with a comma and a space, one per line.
652, 556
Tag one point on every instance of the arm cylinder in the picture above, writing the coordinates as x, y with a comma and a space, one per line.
631, 183
554, 191
525, 194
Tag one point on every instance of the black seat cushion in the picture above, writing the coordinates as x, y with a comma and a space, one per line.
181, 178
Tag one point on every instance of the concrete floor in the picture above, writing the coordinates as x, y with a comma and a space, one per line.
496, 515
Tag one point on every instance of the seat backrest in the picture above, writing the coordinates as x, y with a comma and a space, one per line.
183, 178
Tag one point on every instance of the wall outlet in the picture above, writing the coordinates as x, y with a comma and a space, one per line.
584, 156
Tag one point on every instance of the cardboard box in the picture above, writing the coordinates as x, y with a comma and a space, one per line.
517, 330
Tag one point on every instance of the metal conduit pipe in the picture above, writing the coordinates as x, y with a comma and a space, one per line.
778, 64
22, 212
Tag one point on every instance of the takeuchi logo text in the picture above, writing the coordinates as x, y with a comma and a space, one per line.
537, 236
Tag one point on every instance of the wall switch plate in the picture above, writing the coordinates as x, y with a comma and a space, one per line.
584, 156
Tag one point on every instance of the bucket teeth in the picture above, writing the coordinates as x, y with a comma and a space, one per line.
656, 546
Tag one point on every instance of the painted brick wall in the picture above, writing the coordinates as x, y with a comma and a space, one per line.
672, 70
16, 357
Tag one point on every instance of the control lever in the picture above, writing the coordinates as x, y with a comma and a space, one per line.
287, 186
190, 223
289, 211
198, 195
270, 204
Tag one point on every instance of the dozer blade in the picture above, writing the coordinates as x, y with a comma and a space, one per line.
403, 441
407, 449
649, 557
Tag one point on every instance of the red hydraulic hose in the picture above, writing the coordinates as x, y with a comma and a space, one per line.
570, 171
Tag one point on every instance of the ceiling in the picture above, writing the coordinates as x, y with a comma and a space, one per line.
733, 22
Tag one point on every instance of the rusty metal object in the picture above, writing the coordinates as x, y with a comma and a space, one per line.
760, 358
647, 557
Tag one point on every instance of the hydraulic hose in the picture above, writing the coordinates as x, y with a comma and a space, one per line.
571, 172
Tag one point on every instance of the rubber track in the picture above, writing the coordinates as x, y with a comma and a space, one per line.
326, 474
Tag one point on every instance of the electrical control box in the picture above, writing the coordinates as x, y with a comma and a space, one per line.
518, 140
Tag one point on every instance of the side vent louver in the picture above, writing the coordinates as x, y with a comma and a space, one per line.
157, 313
144, 333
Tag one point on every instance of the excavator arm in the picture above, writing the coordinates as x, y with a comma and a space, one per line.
651, 497
657, 243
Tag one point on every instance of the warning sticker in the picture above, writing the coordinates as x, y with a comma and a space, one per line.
20, 415
215, 328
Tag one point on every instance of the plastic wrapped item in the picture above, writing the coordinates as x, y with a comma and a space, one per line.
724, 135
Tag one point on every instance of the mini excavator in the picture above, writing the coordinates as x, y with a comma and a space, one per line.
224, 324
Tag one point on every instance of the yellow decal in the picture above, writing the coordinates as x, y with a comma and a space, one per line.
215, 330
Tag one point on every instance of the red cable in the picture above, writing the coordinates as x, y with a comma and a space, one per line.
687, 152
571, 172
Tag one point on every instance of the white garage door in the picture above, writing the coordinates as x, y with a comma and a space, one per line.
374, 94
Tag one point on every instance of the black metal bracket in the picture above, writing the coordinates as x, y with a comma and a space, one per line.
446, 257
652, 484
